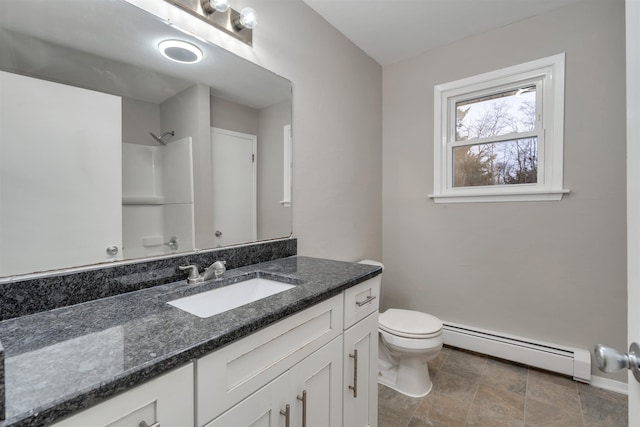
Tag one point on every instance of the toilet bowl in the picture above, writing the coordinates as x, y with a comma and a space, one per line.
407, 341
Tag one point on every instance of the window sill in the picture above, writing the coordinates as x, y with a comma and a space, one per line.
493, 197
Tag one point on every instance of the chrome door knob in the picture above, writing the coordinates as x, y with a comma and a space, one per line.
610, 360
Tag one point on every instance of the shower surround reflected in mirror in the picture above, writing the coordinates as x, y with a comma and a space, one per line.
121, 152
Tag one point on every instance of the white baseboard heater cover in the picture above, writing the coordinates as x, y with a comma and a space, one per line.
575, 362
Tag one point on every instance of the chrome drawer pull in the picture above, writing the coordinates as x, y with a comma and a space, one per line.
144, 424
354, 387
303, 399
287, 415
366, 301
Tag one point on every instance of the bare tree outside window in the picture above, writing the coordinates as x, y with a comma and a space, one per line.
489, 159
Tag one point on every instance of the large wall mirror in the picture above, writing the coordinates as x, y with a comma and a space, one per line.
111, 151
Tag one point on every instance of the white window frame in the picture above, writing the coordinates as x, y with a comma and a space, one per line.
288, 166
548, 75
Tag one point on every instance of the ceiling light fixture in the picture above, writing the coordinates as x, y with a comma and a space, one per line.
218, 14
180, 51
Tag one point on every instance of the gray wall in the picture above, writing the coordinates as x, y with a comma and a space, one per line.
553, 271
274, 219
233, 116
337, 127
138, 119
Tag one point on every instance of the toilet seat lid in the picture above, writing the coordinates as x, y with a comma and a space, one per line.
409, 323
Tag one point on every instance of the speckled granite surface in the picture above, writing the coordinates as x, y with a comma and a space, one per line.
2, 409
23, 297
64, 360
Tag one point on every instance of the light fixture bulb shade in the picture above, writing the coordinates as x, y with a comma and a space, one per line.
248, 18
219, 5
180, 51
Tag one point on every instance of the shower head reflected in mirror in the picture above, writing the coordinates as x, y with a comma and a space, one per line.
160, 138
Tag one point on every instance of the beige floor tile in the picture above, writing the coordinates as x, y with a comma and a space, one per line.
470, 365
553, 391
605, 394
394, 409
538, 375
543, 414
454, 386
499, 401
485, 417
505, 375
437, 410
608, 412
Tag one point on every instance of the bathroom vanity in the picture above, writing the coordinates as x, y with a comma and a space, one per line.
305, 356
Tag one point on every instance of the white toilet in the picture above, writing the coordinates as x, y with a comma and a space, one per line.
408, 340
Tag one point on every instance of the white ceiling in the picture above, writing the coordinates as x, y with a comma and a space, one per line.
392, 30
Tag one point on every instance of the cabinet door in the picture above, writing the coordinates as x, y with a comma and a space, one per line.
361, 373
167, 400
60, 175
318, 380
261, 409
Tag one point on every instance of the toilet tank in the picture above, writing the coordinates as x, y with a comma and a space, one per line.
378, 278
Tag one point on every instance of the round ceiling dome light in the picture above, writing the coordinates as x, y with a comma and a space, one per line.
180, 51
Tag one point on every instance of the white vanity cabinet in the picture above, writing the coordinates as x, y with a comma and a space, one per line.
315, 368
297, 346
309, 394
324, 383
360, 358
166, 400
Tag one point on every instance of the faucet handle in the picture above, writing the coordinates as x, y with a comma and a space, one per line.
193, 271
219, 267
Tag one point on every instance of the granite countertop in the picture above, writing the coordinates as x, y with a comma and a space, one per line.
60, 361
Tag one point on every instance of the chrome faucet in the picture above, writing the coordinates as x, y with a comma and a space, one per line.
215, 270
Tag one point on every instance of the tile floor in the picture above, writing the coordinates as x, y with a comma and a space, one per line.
471, 389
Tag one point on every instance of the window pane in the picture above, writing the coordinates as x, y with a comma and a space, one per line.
496, 114
498, 163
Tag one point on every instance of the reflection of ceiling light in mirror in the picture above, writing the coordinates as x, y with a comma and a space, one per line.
179, 51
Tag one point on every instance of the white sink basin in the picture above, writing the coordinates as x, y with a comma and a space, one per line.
206, 304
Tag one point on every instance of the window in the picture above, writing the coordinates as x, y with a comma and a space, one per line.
288, 166
499, 136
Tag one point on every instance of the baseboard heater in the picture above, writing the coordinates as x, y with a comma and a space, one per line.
570, 361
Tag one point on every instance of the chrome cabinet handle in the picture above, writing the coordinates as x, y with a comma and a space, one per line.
303, 399
366, 301
287, 415
144, 424
354, 387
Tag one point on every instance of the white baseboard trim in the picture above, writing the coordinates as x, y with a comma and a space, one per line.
610, 385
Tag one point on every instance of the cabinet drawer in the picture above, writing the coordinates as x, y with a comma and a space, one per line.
361, 300
167, 399
228, 375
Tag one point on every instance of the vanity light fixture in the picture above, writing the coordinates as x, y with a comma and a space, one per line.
212, 6
248, 19
218, 14
180, 51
